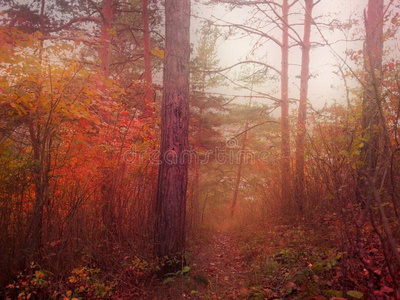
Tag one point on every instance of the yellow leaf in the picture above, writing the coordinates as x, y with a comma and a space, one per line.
158, 52
72, 280
21, 295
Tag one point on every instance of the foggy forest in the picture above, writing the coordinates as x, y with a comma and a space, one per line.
199, 149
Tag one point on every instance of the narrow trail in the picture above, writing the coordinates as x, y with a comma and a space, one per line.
218, 271
223, 263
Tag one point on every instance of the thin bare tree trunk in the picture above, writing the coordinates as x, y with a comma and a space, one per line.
147, 58
239, 172
285, 147
107, 13
373, 55
376, 151
38, 143
108, 193
373, 65
241, 157
302, 116
35, 240
197, 179
196, 196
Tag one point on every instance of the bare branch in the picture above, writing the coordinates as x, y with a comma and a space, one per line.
245, 3
92, 41
266, 96
316, 2
249, 30
76, 20
254, 126
299, 40
95, 7
243, 62
293, 3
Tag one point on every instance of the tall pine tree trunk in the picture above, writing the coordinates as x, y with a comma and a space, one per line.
302, 116
173, 170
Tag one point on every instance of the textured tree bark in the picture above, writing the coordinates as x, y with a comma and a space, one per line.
285, 147
373, 54
147, 58
302, 116
107, 13
173, 170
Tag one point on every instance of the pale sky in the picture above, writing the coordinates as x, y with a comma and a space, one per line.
324, 86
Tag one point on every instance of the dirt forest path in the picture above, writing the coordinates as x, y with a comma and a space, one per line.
225, 267
218, 271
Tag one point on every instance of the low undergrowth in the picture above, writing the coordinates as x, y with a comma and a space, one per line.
303, 262
83, 282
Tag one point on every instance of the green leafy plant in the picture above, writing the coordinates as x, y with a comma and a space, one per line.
181, 273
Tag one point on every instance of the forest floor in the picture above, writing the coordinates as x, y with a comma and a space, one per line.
270, 261
273, 262
217, 271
